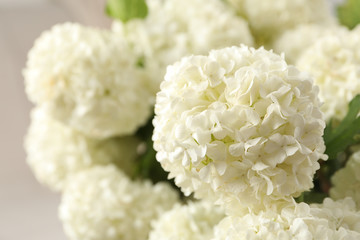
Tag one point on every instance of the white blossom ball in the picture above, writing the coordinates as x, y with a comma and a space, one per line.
268, 18
241, 124
334, 61
177, 28
194, 221
55, 151
340, 214
103, 204
346, 181
328, 221
87, 79
295, 41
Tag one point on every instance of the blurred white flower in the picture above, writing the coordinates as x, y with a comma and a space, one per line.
340, 214
55, 151
346, 181
328, 221
334, 61
295, 41
87, 79
239, 124
177, 28
239, 6
194, 221
103, 204
268, 18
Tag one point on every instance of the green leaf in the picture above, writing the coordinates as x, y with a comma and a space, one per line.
125, 10
311, 197
147, 161
346, 133
147, 165
349, 13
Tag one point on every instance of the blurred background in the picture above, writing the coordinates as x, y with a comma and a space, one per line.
28, 210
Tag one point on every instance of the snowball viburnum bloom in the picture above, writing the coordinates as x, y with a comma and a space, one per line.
334, 62
268, 18
340, 214
194, 221
329, 221
102, 203
177, 28
87, 78
295, 41
239, 124
346, 181
55, 151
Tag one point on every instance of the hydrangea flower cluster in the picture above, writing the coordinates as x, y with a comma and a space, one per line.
239, 125
330, 220
90, 95
334, 62
194, 221
346, 181
72, 72
269, 18
102, 203
293, 43
55, 151
173, 30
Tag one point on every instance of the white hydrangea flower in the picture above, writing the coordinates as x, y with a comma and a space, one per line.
295, 41
194, 221
340, 214
268, 18
240, 123
334, 61
103, 204
328, 221
55, 151
346, 181
177, 28
87, 79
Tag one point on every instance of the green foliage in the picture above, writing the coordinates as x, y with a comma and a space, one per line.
338, 139
311, 197
349, 13
147, 165
125, 10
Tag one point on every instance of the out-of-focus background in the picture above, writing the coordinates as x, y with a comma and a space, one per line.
28, 210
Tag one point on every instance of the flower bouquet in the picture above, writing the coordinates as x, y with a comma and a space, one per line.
201, 119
